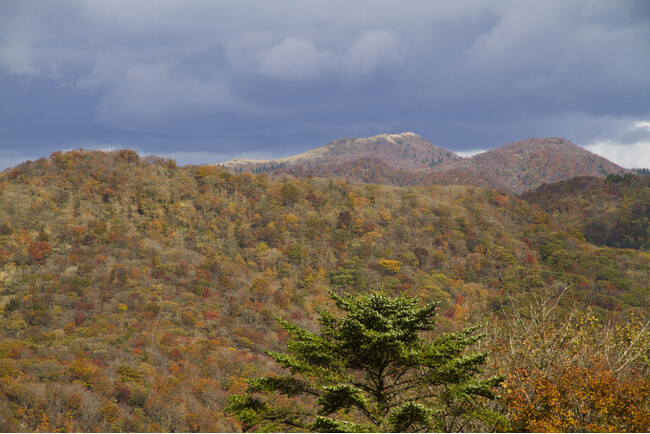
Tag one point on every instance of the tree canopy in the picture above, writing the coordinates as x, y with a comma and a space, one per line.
137, 295
376, 368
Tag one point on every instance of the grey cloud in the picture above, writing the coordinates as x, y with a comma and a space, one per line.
372, 49
638, 133
297, 58
150, 96
266, 77
629, 145
294, 58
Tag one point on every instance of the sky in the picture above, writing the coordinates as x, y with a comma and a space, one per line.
207, 81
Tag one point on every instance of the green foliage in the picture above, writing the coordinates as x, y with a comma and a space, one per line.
371, 370
290, 193
349, 276
616, 178
297, 252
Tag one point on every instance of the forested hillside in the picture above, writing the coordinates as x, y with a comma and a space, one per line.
614, 211
136, 295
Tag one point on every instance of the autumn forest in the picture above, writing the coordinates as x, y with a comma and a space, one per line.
139, 295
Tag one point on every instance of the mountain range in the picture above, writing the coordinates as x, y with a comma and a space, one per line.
409, 159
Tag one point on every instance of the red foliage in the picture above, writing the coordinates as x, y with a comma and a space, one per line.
529, 259
79, 318
314, 199
39, 250
210, 314
203, 274
81, 305
122, 394
345, 218
107, 193
176, 354
421, 253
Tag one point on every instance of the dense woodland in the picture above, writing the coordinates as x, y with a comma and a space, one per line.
136, 295
614, 211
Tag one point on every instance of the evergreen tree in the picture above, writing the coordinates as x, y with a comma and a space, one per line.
373, 369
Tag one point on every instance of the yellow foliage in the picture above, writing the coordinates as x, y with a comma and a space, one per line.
290, 218
203, 172
68, 329
385, 214
358, 201
391, 265
93, 184
23, 237
370, 237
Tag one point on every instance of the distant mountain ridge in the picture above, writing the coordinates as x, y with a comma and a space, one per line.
524, 165
409, 159
405, 151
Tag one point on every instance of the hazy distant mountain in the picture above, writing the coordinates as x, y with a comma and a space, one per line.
406, 151
408, 159
524, 165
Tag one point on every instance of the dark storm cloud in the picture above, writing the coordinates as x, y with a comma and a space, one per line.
205, 80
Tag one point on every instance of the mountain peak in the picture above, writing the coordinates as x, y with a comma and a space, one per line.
541, 142
404, 151
526, 164
407, 158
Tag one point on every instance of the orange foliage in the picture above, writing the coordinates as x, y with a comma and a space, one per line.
579, 400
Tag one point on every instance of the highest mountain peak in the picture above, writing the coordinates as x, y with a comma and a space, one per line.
405, 151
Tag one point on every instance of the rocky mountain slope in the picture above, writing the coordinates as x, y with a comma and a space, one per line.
406, 151
408, 159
